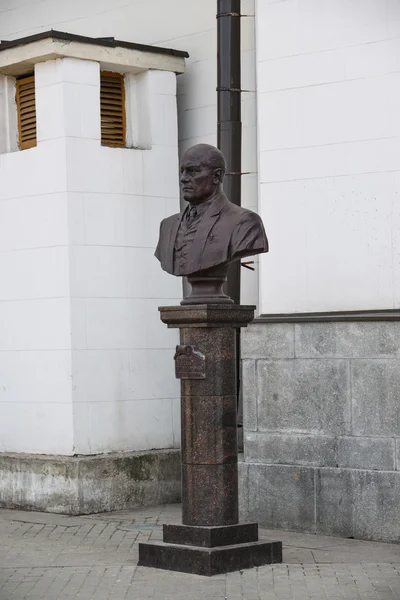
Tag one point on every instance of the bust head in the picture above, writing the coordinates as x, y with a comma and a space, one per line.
202, 172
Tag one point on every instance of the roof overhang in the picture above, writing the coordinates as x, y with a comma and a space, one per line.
17, 57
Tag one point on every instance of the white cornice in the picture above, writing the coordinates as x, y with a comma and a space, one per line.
19, 60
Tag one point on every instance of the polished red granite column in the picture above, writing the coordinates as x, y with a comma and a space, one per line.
209, 431
210, 539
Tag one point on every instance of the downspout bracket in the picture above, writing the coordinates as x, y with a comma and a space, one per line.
231, 14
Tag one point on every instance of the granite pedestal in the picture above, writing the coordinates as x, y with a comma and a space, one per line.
210, 539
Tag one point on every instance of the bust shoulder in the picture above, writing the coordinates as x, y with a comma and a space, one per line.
168, 221
241, 215
249, 215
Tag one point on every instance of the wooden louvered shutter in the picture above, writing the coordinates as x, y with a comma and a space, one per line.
26, 108
112, 109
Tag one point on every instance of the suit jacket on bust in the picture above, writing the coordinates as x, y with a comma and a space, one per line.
225, 233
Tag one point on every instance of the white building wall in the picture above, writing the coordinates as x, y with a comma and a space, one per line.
85, 362
189, 25
329, 124
123, 395
35, 340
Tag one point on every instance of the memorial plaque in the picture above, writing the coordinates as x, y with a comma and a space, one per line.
189, 363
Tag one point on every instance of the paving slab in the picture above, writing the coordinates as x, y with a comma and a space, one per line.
55, 557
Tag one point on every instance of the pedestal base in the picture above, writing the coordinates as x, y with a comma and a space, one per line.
209, 550
211, 541
210, 537
209, 561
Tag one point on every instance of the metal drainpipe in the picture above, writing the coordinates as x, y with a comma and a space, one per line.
230, 124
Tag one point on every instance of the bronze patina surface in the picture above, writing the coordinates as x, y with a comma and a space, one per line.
211, 232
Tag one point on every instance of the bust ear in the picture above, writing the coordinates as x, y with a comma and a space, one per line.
218, 176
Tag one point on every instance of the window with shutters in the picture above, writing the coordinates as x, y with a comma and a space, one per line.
112, 109
26, 109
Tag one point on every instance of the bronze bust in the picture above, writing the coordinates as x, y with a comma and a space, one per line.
211, 232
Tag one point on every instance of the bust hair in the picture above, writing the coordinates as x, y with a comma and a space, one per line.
209, 155
216, 160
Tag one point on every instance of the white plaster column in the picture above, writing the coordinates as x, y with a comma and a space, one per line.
124, 391
35, 339
68, 99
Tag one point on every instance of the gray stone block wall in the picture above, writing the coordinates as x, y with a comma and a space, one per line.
321, 418
78, 485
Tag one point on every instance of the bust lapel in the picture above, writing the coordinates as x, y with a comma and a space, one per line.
171, 245
204, 228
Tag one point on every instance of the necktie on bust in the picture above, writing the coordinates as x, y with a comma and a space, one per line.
192, 214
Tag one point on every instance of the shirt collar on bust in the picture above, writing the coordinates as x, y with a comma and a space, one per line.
201, 208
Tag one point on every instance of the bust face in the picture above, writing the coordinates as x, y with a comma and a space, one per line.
199, 181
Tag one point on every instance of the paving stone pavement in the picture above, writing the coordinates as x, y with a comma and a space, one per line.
56, 557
